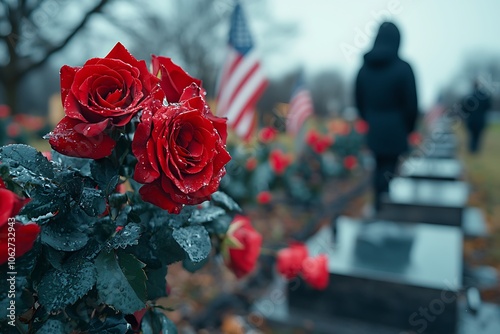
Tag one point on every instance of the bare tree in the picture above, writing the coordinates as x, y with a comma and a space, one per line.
194, 32
33, 31
328, 91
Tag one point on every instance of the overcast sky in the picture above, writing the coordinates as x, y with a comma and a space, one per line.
436, 35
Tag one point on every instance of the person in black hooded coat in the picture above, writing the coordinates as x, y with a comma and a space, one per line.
475, 107
386, 98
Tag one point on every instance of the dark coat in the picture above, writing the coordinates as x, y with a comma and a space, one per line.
386, 95
475, 107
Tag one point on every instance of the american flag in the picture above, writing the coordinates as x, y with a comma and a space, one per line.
242, 80
300, 107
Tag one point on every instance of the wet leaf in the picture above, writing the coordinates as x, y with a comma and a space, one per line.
194, 240
222, 199
52, 326
92, 202
59, 288
205, 215
113, 287
129, 236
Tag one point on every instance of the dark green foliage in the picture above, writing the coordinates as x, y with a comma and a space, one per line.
101, 255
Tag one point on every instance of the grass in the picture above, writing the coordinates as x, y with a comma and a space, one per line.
483, 175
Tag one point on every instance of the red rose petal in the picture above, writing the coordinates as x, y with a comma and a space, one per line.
154, 194
25, 238
66, 140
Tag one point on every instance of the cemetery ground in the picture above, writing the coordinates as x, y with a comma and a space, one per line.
192, 294
484, 179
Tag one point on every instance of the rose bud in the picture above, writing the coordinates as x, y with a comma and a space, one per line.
241, 247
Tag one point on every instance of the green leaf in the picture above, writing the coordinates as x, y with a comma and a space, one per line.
113, 287
80, 164
59, 288
129, 236
193, 266
222, 199
52, 326
133, 271
111, 324
157, 283
194, 240
155, 321
105, 174
220, 225
205, 215
92, 202
63, 235
27, 163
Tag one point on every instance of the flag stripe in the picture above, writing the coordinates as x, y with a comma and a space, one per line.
300, 108
249, 105
245, 92
238, 76
242, 81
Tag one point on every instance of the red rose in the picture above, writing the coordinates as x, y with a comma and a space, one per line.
350, 162
315, 271
2, 185
267, 134
102, 94
361, 126
25, 235
181, 152
318, 142
30, 122
173, 78
251, 163
415, 139
25, 238
241, 246
289, 260
264, 197
13, 130
312, 137
10, 204
279, 161
4, 111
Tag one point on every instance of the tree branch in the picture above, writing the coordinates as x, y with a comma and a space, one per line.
68, 38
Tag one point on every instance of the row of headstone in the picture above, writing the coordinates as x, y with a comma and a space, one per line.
401, 272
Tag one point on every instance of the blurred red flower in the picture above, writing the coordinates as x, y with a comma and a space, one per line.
315, 271
319, 143
251, 163
264, 197
415, 138
350, 162
4, 111
279, 161
267, 134
241, 247
361, 126
289, 260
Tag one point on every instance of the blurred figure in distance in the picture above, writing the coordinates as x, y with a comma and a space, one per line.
386, 98
475, 107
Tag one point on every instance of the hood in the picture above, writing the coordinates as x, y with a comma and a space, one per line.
386, 46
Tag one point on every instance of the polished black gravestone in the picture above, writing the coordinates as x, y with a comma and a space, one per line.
425, 201
408, 280
358, 288
434, 169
